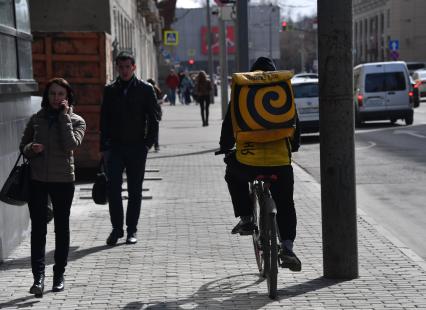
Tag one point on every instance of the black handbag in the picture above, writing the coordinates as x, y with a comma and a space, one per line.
99, 189
16, 189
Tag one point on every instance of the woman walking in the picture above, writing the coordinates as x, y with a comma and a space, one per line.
49, 139
203, 88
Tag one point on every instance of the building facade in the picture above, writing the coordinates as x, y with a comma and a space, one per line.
191, 26
389, 30
16, 105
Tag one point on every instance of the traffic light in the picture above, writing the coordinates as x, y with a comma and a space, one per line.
284, 26
191, 61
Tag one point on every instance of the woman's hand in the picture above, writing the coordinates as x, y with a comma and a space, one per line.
64, 106
37, 147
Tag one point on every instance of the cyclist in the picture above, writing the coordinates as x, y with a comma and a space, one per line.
252, 159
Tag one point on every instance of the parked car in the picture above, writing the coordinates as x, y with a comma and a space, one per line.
382, 90
413, 66
419, 78
416, 93
306, 92
310, 75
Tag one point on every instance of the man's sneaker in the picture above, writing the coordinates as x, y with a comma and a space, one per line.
289, 260
114, 236
244, 228
131, 238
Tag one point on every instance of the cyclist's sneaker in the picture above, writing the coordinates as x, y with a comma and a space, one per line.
244, 228
289, 260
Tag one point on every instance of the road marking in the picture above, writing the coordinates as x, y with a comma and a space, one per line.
370, 145
409, 132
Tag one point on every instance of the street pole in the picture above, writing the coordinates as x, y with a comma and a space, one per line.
242, 37
337, 154
223, 66
210, 56
270, 35
302, 52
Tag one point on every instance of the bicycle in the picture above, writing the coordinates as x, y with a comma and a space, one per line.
265, 234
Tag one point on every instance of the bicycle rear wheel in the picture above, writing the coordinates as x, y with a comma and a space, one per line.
257, 244
271, 254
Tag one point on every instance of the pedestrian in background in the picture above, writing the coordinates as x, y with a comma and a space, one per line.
128, 127
202, 90
186, 87
172, 82
159, 96
49, 139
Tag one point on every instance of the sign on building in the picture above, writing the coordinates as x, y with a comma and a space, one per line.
171, 37
230, 40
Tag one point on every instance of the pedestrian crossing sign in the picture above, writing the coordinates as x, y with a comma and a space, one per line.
171, 37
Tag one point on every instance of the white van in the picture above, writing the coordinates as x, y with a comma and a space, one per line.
382, 90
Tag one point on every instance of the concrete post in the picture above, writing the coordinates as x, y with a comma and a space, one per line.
242, 39
337, 155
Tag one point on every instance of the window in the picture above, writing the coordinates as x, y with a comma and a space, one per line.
308, 90
6, 13
381, 82
15, 46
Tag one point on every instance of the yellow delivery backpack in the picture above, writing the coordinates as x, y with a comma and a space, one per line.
262, 106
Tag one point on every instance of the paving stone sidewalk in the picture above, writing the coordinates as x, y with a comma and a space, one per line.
186, 257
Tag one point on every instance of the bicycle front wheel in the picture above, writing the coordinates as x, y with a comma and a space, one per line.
271, 254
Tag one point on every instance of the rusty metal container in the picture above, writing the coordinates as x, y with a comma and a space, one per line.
84, 60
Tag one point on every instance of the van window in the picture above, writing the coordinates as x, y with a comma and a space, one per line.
389, 81
305, 90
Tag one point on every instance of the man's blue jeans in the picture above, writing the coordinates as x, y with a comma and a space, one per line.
172, 96
131, 159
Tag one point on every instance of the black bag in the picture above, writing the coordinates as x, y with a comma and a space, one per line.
99, 189
16, 189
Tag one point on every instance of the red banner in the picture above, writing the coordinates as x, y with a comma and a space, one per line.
230, 40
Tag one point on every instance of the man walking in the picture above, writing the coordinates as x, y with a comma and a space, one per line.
128, 127
172, 81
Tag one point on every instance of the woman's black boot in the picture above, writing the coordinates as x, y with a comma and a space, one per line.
38, 286
58, 282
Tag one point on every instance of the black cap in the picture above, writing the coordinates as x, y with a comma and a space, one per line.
263, 64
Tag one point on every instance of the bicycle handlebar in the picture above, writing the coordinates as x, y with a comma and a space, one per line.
220, 152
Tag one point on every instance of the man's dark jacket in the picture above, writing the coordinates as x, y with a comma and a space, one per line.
128, 114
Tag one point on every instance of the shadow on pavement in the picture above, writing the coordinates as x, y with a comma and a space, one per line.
23, 302
25, 262
223, 294
184, 154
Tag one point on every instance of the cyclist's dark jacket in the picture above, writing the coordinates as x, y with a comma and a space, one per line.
128, 114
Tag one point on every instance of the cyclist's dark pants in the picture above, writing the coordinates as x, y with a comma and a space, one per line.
238, 175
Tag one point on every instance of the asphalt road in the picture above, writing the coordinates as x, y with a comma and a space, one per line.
390, 175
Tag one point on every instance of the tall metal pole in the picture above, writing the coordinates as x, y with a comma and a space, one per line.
242, 38
337, 154
223, 66
210, 56
270, 34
